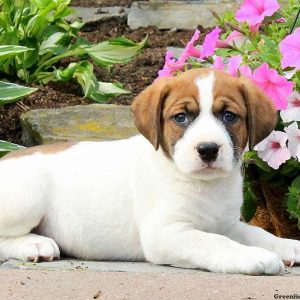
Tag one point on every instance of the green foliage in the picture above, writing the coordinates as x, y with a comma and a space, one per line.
35, 37
6, 147
293, 201
10, 92
250, 203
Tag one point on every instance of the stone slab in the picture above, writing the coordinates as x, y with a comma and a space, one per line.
114, 266
96, 14
175, 14
77, 123
98, 266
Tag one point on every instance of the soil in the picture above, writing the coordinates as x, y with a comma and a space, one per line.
135, 76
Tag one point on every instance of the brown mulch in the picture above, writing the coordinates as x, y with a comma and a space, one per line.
135, 76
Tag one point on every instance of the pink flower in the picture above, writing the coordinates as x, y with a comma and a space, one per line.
209, 44
254, 11
218, 63
171, 65
222, 44
236, 37
292, 113
280, 20
190, 49
273, 149
293, 133
290, 50
245, 70
233, 65
275, 86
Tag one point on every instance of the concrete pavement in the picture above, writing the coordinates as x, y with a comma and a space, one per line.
72, 279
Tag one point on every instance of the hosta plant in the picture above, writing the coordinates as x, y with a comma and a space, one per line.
10, 92
261, 41
35, 37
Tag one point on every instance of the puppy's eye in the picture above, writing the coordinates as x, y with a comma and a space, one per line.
181, 118
229, 117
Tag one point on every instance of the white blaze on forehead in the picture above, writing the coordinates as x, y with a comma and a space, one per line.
206, 98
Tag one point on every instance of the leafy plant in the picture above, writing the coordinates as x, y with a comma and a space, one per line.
35, 37
10, 92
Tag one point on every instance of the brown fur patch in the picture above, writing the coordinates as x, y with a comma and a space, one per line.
44, 149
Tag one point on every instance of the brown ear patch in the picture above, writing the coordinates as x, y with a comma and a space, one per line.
147, 108
262, 114
44, 149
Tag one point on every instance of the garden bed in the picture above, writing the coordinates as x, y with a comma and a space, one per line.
135, 76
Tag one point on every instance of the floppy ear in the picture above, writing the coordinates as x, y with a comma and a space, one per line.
261, 112
147, 107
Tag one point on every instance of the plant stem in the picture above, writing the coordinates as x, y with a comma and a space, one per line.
56, 59
295, 21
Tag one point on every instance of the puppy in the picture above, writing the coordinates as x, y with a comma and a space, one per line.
169, 196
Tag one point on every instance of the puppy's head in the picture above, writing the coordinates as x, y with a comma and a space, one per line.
203, 119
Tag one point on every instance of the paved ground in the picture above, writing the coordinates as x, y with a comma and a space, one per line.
113, 280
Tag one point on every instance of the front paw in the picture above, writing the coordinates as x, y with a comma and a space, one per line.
288, 250
257, 261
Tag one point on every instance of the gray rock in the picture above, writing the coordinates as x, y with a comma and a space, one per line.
94, 14
99, 266
77, 123
112, 266
179, 14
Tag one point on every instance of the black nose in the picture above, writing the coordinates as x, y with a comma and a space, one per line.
208, 151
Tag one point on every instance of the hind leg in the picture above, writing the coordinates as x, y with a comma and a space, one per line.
23, 204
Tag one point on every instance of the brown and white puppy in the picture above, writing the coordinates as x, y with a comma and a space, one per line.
169, 196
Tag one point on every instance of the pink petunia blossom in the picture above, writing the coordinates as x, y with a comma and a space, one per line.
274, 85
290, 50
245, 70
292, 113
233, 65
280, 20
254, 11
223, 44
218, 63
171, 65
293, 133
237, 38
209, 44
190, 49
273, 149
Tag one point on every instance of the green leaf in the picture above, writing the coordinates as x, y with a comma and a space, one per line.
107, 90
117, 51
8, 51
296, 184
269, 52
10, 92
56, 43
249, 204
6, 147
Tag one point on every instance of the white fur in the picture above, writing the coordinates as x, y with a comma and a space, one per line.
205, 128
122, 200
